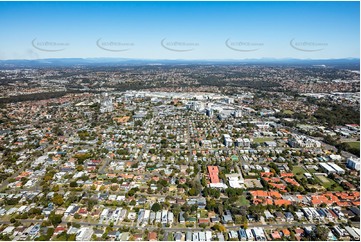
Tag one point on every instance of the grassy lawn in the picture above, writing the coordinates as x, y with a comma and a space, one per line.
91, 219
6, 217
203, 213
299, 171
355, 144
261, 140
242, 201
328, 183
288, 112
311, 170
170, 237
323, 180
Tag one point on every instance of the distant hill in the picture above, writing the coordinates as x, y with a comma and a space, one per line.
346, 63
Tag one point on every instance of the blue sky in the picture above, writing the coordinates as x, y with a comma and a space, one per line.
189, 30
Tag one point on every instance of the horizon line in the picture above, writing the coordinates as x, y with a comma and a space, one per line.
165, 59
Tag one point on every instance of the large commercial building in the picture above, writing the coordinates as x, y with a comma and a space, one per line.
301, 141
326, 168
338, 169
227, 140
106, 103
353, 163
243, 142
331, 168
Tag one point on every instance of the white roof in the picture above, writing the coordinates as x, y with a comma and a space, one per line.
336, 167
235, 184
217, 185
326, 166
335, 157
8, 230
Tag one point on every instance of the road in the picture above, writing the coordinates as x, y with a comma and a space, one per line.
158, 195
229, 227
106, 163
189, 142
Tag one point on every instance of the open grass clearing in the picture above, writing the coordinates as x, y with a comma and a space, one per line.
354, 144
242, 201
299, 171
287, 111
261, 140
329, 184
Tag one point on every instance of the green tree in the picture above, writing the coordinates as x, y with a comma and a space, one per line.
219, 227
91, 203
203, 225
80, 168
193, 192
55, 188
320, 233
58, 199
156, 207
55, 219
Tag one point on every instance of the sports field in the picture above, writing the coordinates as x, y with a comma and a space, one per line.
323, 179
328, 183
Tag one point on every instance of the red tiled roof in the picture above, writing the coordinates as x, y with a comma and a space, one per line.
280, 202
266, 174
287, 175
213, 174
276, 235
343, 204
291, 181
203, 220
286, 232
59, 229
152, 236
